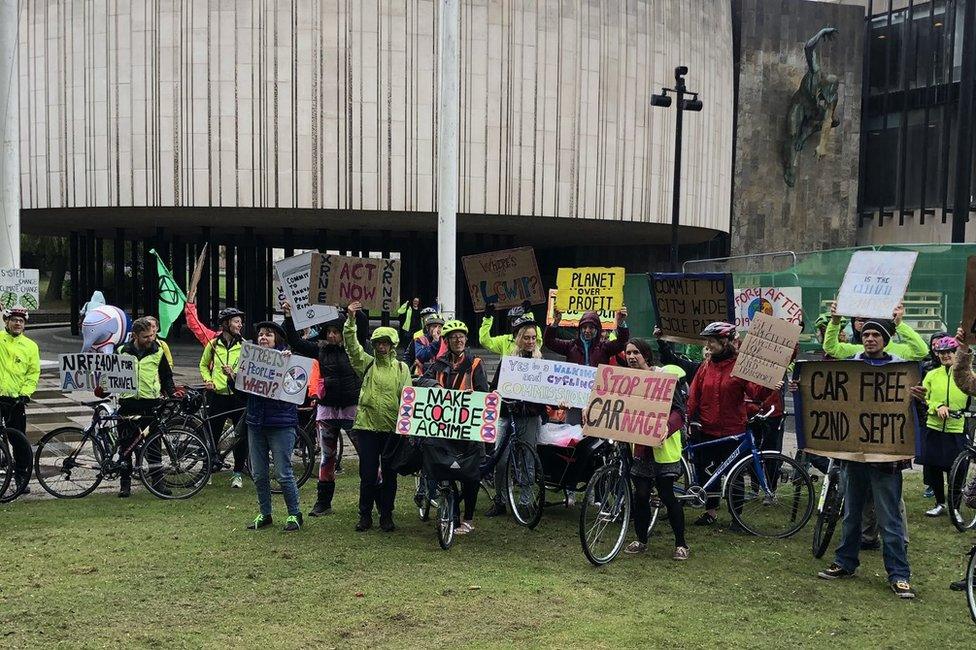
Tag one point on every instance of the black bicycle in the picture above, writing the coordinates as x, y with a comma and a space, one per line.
12, 482
830, 508
970, 578
962, 484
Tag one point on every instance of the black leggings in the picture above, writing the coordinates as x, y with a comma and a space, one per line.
713, 455
935, 478
469, 496
642, 507
218, 405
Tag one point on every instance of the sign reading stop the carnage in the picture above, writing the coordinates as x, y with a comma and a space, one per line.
855, 411
767, 351
875, 282
685, 303
590, 289
969, 302
293, 275
340, 280
503, 278
630, 405
452, 414
86, 371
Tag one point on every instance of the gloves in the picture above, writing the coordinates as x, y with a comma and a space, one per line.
22, 400
489, 310
180, 392
527, 306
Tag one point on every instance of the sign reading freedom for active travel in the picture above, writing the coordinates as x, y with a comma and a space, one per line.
875, 282
608, 319
685, 303
444, 413
630, 405
340, 280
19, 288
969, 302
542, 381
590, 289
294, 277
269, 373
505, 278
784, 302
767, 350
86, 371
855, 411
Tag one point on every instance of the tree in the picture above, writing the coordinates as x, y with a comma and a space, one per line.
49, 254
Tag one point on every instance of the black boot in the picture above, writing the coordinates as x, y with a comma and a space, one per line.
365, 523
125, 486
386, 522
323, 501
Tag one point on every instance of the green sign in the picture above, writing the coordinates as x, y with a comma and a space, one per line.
451, 414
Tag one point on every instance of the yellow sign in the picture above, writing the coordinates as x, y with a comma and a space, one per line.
591, 288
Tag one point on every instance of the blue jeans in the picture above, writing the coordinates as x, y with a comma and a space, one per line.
280, 442
862, 479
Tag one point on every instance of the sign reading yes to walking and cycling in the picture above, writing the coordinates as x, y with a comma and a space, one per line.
434, 412
542, 381
875, 283
269, 373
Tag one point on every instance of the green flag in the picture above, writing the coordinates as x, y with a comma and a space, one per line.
171, 297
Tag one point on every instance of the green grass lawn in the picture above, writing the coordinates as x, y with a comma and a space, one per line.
103, 572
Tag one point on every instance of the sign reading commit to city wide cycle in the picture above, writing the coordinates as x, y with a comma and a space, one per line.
767, 351
453, 414
852, 410
86, 371
875, 282
504, 278
542, 381
293, 275
269, 373
19, 288
590, 289
630, 405
340, 280
685, 303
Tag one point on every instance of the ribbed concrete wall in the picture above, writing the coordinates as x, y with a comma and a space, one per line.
332, 104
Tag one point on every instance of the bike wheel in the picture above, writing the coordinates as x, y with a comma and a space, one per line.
6, 469
780, 510
302, 461
604, 515
526, 485
340, 447
961, 476
445, 517
174, 464
17, 484
830, 513
68, 463
971, 584
420, 497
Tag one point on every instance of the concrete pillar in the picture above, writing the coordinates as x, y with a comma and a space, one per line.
9, 136
449, 101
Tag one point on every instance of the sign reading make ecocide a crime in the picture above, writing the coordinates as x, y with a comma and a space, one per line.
855, 411
269, 373
685, 303
86, 371
630, 405
453, 414
542, 381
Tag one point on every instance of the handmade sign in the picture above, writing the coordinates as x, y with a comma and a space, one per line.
86, 371
784, 302
340, 280
503, 278
630, 405
969, 302
19, 288
875, 282
590, 289
294, 276
542, 381
444, 413
608, 319
269, 373
685, 303
767, 351
853, 410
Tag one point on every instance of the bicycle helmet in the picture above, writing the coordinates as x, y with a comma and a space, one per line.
427, 311
523, 321
433, 319
515, 312
227, 313
824, 319
452, 326
718, 329
16, 311
945, 344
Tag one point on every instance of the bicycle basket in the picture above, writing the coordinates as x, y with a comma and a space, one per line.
402, 454
451, 460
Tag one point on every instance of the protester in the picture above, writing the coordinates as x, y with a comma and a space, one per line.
162, 343
658, 466
587, 349
202, 333
20, 370
504, 344
669, 357
272, 426
883, 481
427, 316
429, 345
930, 363
410, 321
218, 363
337, 398
383, 379
455, 369
911, 347
965, 379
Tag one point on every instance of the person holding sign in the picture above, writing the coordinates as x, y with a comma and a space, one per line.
587, 349
912, 347
881, 482
429, 344
410, 320
20, 370
383, 379
456, 370
503, 344
659, 466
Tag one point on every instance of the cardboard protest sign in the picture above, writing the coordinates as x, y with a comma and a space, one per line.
542, 381
875, 282
608, 319
969, 302
294, 276
340, 280
505, 278
767, 351
19, 288
86, 371
590, 289
782, 302
855, 411
444, 413
630, 405
269, 373
685, 303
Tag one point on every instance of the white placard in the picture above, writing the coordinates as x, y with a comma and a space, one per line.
293, 274
86, 371
785, 303
875, 283
542, 381
269, 373
20, 288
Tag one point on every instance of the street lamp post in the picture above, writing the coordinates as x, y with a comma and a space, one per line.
663, 100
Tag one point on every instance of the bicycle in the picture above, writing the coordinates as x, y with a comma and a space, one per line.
970, 579
8, 460
962, 483
830, 508
171, 462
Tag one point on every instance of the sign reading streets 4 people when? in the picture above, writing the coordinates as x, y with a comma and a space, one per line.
269, 373
853, 410
433, 412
